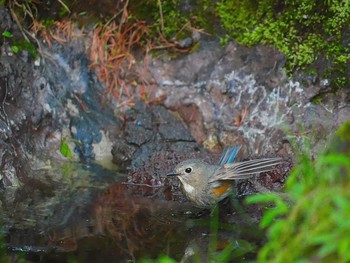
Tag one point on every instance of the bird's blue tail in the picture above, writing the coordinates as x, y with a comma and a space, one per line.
229, 154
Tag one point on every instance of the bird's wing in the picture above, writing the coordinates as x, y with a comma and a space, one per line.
229, 155
245, 169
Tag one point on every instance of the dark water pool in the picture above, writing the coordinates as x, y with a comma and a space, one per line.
85, 213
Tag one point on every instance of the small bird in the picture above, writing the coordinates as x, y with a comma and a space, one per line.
205, 184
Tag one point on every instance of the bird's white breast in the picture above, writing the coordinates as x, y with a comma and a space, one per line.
188, 188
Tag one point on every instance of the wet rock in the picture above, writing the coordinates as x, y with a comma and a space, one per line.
122, 153
40, 102
86, 132
148, 130
8, 174
342, 115
173, 132
192, 68
16, 103
136, 134
242, 96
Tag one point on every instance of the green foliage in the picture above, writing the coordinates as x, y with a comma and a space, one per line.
64, 10
170, 18
160, 259
64, 149
7, 34
344, 132
163, 16
301, 30
47, 22
3, 255
173, 21
18, 45
313, 225
25, 45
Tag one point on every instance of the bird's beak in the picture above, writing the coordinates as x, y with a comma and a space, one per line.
172, 174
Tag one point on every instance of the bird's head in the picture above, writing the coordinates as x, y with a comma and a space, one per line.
193, 174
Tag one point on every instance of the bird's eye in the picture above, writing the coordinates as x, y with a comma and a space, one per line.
188, 170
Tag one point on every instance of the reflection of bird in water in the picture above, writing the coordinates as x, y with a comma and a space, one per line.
137, 224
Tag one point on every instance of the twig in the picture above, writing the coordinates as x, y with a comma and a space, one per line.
147, 185
65, 6
161, 16
18, 24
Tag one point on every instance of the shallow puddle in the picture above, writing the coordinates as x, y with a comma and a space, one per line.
87, 214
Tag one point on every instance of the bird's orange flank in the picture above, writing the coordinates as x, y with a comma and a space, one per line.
221, 189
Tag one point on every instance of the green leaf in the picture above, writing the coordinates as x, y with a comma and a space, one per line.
327, 249
226, 254
15, 49
335, 159
271, 214
7, 34
275, 230
262, 198
166, 259
64, 149
160, 259
24, 45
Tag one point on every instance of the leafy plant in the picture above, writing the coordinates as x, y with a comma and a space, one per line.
313, 224
18, 45
7, 34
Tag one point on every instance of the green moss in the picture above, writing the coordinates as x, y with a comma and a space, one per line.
301, 30
318, 99
344, 132
162, 16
